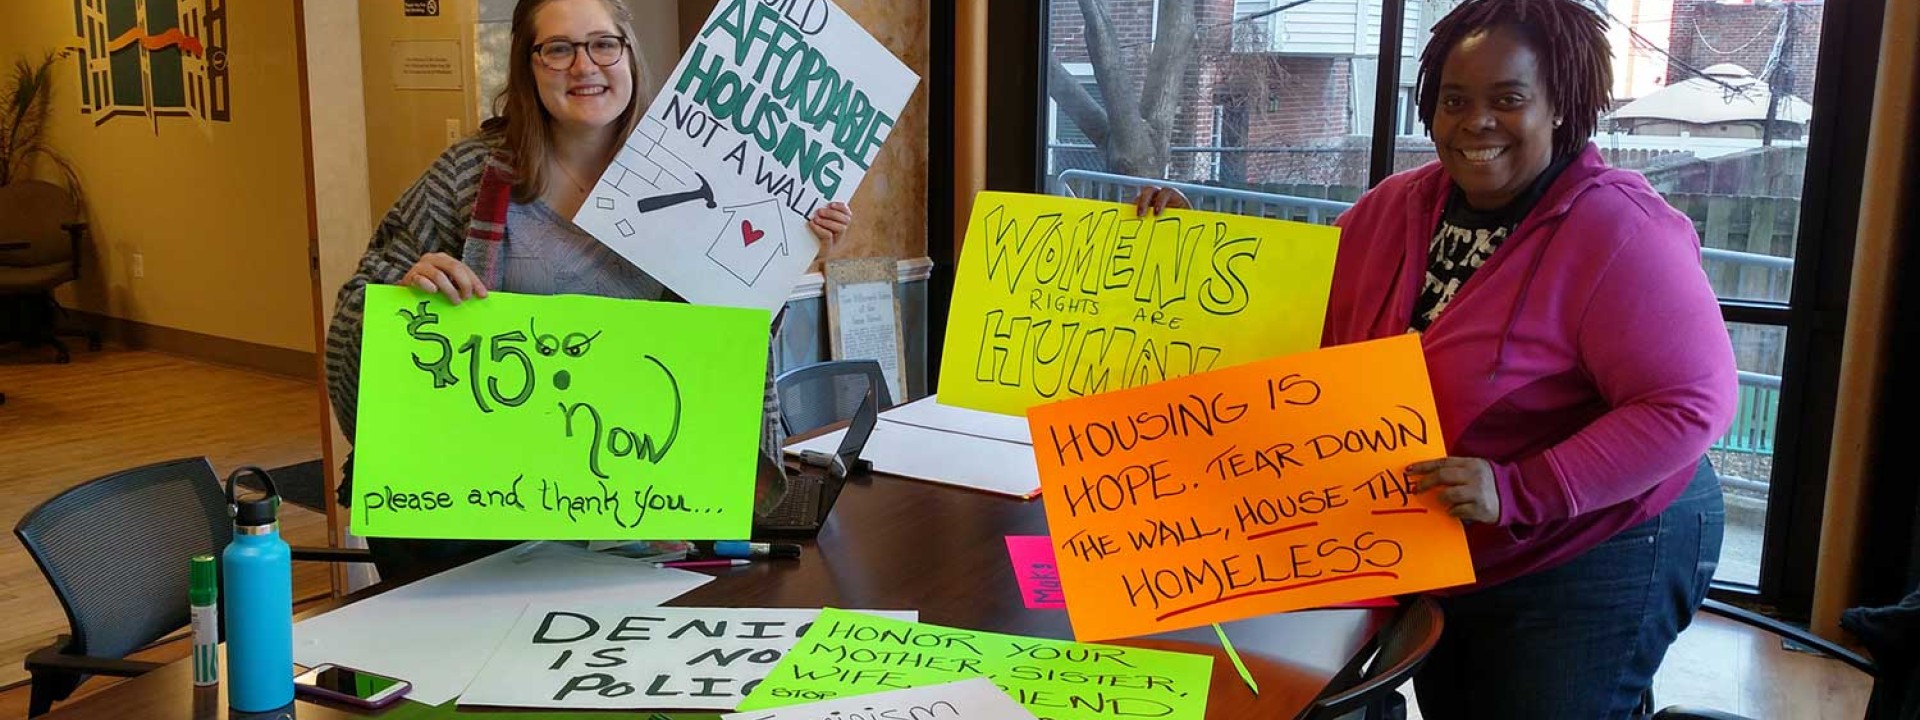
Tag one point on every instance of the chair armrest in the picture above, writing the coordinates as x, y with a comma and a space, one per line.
75, 230
50, 658
1681, 712
1790, 632
331, 554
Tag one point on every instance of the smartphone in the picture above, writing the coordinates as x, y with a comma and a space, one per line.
352, 686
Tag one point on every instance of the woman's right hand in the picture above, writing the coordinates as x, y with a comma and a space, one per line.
1159, 199
441, 273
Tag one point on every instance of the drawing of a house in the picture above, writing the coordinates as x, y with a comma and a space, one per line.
749, 240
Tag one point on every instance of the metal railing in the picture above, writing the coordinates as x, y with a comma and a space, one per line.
1754, 422
1122, 188
1753, 425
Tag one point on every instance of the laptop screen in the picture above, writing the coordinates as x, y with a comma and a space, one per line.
864, 418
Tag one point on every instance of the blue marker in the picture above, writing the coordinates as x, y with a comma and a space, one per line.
743, 549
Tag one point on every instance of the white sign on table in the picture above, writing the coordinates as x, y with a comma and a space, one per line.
436, 633
975, 699
629, 656
953, 446
776, 110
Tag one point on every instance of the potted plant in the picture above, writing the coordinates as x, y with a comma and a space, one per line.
26, 102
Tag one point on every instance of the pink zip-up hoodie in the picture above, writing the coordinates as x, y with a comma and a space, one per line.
1586, 360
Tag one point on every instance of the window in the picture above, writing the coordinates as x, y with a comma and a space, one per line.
1067, 143
1727, 108
1266, 100
1409, 119
1720, 105
1714, 107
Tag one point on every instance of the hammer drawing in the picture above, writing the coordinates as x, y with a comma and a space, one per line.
662, 202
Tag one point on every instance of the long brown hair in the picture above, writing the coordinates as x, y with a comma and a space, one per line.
520, 120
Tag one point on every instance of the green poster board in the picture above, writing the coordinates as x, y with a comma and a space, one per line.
849, 653
556, 418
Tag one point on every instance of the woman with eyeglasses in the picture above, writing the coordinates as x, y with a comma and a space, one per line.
492, 213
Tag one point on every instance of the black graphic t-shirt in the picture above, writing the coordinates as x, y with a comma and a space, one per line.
1465, 239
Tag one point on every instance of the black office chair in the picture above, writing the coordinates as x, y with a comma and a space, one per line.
1807, 639
825, 393
1367, 686
115, 550
40, 239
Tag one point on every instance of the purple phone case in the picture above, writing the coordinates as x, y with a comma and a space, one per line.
394, 695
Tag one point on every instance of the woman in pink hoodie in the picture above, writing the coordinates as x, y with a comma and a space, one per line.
1578, 359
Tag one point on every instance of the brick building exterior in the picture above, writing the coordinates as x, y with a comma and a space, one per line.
1232, 99
1708, 32
1300, 102
1133, 23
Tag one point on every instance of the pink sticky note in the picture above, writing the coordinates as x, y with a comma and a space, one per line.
1034, 568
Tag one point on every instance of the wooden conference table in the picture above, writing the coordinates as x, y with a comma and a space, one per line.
891, 543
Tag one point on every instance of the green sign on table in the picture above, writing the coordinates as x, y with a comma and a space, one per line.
848, 653
567, 417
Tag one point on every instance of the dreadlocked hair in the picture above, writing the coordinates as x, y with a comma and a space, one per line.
1570, 40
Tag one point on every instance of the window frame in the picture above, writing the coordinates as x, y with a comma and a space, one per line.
1814, 316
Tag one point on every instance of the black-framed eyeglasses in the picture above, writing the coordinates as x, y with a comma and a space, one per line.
560, 55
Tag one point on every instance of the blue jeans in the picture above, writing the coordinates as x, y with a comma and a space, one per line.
1581, 640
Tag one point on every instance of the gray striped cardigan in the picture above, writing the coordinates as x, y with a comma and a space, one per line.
457, 207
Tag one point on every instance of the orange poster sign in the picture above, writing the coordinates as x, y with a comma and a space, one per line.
1266, 487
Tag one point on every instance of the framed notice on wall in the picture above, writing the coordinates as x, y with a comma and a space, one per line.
863, 317
427, 65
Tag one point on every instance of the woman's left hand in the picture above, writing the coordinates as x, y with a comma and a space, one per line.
1469, 492
829, 222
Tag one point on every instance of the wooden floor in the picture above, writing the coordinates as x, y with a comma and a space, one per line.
62, 425
1719, 664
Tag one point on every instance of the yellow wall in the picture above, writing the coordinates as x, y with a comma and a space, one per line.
217, 211
891, 205
406, 129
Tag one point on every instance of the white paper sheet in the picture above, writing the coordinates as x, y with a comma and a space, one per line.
974, 699
929, 413
943, 456
629, 656
719, 214
438, 632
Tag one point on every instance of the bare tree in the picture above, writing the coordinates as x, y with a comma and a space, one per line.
1134, 129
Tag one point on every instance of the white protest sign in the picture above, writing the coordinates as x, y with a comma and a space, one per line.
975, 699
776, 110
435, 633
630, 657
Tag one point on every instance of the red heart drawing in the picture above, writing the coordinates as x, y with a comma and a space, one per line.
749, 234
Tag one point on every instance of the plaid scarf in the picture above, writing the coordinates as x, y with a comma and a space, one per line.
488, 228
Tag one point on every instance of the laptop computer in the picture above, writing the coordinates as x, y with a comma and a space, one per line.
815, 483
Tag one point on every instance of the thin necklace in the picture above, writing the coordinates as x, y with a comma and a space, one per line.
570, 176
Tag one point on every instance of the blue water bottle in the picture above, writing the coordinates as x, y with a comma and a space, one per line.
257, 582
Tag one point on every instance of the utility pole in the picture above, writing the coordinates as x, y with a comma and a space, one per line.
1779, 81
